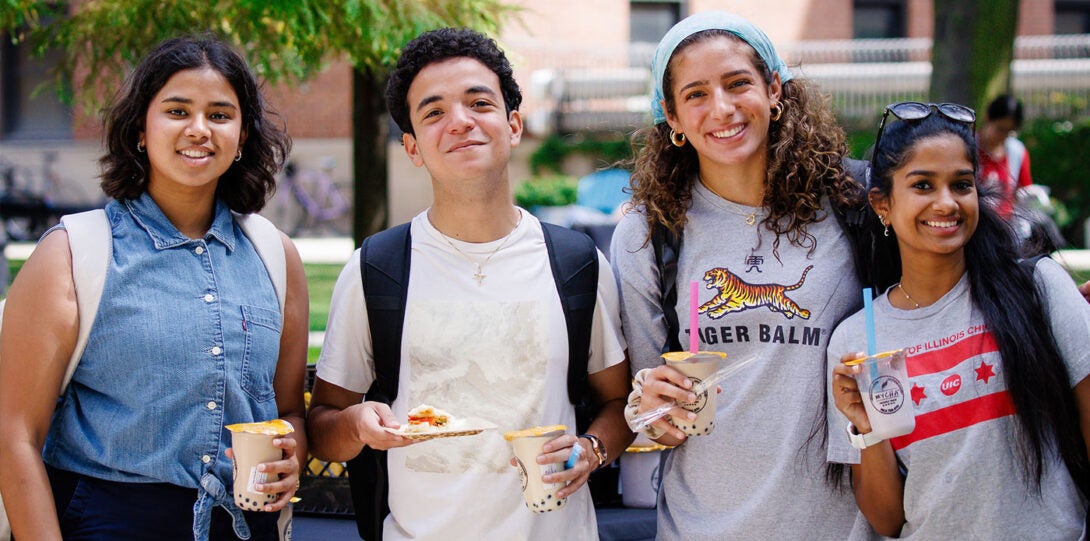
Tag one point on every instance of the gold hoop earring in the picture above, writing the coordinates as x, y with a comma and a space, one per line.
140, 147
777, 112
238, 157
678, 139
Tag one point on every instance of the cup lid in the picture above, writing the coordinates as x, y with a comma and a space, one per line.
882, 355
533, 431
275, 427
686, 356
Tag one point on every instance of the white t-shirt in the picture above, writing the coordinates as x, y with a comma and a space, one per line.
497, 351
963, 472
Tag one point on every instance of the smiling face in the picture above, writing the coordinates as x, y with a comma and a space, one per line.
933, 204
722, 104
462, 128
192, 131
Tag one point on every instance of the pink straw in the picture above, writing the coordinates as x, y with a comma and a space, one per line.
694, 344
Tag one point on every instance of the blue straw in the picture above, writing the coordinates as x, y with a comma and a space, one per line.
576, 450
868, 315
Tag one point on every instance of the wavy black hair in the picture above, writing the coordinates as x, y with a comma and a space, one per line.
437, 46
248, 183
1013, 307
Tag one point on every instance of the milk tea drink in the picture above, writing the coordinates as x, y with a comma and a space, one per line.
698, 367
883, 383
252, 445
540, 497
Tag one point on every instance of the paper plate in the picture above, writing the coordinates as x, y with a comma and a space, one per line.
458, 428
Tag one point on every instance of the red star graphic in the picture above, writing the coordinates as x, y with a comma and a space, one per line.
984, 372
918, 394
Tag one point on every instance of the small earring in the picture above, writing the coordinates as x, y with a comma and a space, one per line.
678, 139
882, 220
238, 157
140, 147
777, 112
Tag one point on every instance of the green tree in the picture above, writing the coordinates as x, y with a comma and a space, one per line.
285, 40
972, 50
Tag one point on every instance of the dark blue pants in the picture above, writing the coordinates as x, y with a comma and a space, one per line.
97, 510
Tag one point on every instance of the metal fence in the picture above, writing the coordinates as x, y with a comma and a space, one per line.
577, 89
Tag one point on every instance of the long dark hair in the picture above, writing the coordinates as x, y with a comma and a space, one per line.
248, 183
805, 150
1007, 296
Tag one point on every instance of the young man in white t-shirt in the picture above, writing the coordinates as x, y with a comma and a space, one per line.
484, 330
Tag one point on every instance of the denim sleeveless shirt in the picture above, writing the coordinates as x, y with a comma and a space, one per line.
186, 340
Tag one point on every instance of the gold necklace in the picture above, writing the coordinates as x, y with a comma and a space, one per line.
907, 297
480, 275
751, 218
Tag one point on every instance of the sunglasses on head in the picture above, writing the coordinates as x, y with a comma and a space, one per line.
914, 110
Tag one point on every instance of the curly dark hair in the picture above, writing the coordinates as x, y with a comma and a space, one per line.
437, 46
248, 183
805, 152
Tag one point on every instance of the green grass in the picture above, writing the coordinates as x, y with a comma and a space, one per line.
320, 280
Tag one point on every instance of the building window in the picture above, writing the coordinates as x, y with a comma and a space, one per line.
1072, 17
649, 21
876, 19
30, 108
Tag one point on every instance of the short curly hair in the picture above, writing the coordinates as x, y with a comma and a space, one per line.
248, 183
439, 45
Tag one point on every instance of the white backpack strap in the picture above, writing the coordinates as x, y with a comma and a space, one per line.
91, 242
270, 247
1016, 152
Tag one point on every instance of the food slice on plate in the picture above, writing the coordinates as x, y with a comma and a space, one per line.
425, 418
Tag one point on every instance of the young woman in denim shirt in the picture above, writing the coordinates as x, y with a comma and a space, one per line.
189, 335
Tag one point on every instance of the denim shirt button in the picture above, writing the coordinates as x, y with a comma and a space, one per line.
216, 350
208, 297
206, 459
211, 405
198, 250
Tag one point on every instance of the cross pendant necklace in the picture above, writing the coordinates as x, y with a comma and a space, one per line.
479, 276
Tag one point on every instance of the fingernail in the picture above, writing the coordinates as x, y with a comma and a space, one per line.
260, 467
691, 397
259, 487
691, 416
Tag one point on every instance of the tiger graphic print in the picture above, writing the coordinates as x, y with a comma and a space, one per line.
735, 295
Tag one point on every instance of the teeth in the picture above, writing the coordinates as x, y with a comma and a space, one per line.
942, 224
728, 133
195, 153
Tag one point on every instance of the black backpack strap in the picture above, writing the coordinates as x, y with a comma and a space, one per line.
573, 258
667, 248
384, 265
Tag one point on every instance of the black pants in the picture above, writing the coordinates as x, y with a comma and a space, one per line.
97, 510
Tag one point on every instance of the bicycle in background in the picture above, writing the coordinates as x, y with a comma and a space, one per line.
310, 203
31, 203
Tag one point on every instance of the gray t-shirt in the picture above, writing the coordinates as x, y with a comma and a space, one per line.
758, 475
963, 473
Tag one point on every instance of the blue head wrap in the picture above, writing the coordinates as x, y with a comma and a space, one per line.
710, 20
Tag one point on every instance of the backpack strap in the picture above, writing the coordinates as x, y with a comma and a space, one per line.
1016, 153
270, 248
573, 258
667, 247
92, 243
384, 267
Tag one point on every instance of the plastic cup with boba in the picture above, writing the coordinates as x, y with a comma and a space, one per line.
252, 444
698, 367
540, 497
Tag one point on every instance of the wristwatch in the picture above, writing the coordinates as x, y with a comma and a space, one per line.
862, 441
597, 447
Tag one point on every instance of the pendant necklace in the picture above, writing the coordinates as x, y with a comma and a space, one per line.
751, 218
480, 275
907, 296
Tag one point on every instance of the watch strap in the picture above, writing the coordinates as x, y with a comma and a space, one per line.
597, 447
862, 441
